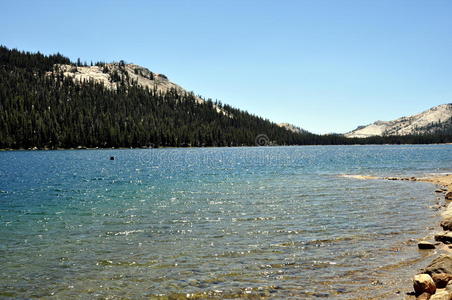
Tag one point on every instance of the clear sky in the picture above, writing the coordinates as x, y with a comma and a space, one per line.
326, 66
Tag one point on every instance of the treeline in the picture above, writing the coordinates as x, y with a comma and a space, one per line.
47, 110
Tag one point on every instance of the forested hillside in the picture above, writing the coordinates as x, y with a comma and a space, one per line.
40, 107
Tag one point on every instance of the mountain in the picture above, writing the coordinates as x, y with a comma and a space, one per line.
112, 75
436, 120
293, 128
50, 102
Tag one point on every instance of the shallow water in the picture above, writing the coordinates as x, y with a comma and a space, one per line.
276, 222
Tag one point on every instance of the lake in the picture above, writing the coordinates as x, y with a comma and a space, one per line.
257, 222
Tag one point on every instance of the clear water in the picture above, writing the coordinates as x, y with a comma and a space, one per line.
276, 222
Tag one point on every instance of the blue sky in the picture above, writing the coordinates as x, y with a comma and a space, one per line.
326, 66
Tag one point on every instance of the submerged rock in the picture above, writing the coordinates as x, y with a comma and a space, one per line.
425, 245
423, 283
441, 264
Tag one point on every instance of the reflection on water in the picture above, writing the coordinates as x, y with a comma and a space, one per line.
270, 222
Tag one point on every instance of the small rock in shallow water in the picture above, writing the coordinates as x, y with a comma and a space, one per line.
425, 245
441, 279
423, 283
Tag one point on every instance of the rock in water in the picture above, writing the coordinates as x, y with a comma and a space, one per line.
423, 283
441, 264
425, 245
445, 238
441, 279
448, 196
446, 224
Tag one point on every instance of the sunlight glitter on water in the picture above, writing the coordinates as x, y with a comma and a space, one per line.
273, 222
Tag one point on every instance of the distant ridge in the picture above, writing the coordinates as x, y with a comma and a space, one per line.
293, 128
435, 120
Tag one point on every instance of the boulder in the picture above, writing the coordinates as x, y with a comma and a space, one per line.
423, 296
441, 264
425, 245
423, 283
449, 287
446, 224
441, 279
448, 196
441, 295
445, 238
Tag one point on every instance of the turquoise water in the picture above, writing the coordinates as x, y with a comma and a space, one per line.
276, 222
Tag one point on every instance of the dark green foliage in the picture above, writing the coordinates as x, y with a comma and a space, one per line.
51, 111
36, 62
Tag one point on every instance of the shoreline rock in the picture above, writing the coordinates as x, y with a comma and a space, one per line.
445, 238
424, 245
423, 283
441, 264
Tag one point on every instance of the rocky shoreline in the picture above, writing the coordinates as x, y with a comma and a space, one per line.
434, 282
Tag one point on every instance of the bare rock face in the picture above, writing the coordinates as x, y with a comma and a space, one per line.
423, 283
421, 123
441, 264
441, 279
